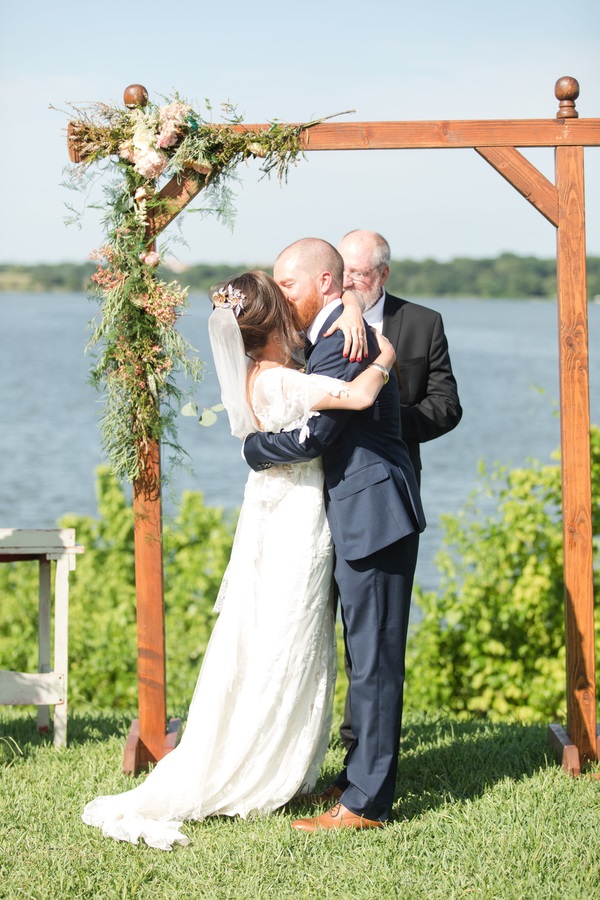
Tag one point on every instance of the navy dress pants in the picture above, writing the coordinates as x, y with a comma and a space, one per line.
374, 597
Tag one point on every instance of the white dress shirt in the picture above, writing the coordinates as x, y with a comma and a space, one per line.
374, 314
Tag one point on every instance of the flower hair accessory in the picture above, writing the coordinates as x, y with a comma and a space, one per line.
229, 298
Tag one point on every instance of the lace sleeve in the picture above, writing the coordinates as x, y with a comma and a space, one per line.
283, 398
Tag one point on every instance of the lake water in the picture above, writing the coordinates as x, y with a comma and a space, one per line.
504, 354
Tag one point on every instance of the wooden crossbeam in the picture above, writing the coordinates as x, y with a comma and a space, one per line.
428, 135
452, 134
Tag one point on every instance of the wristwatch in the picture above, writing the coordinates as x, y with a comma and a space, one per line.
383, 370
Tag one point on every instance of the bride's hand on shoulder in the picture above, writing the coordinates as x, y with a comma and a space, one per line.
352, 324
387, 354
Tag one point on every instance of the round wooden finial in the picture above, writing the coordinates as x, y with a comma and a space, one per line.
566, 91
135, 95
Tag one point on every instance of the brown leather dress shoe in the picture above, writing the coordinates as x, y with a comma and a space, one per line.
336, 817
328, 795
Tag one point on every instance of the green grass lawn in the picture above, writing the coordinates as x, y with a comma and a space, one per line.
482, 811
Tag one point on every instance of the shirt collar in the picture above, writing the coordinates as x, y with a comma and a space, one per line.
315, 329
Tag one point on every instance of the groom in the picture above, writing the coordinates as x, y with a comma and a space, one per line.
375, 515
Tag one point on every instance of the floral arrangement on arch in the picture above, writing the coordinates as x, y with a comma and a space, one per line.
138, 350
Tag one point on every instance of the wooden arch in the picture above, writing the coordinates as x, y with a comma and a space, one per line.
563, 205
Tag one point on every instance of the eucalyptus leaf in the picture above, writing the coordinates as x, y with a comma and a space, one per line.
190, 409
208, 418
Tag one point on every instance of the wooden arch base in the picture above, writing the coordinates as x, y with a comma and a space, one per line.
567, 752
138, 757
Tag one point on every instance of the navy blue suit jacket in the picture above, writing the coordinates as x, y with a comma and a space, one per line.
371, 492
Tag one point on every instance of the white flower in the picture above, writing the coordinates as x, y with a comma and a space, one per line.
144, 132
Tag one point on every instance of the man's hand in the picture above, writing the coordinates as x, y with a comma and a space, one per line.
352, 324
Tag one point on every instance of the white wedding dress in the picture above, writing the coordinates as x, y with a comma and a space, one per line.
258, 724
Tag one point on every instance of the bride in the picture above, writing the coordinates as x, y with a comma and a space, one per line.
258, 724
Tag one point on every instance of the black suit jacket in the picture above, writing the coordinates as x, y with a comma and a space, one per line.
429, 404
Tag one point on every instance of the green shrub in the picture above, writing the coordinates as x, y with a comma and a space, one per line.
492, 641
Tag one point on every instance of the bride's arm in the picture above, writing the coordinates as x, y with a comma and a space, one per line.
362, 391
352, 324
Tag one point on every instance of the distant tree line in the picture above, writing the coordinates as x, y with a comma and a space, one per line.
61, 277
507, 275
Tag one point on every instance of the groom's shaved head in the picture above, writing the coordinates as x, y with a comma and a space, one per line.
310, 273
315, 256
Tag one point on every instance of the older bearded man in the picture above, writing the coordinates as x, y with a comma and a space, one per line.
429, 404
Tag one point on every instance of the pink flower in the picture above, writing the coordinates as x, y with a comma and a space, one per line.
168, 135
126, 151
172, 120
150, 163
176, 112
151, 259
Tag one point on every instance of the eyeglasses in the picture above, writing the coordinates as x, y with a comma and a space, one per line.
360, 276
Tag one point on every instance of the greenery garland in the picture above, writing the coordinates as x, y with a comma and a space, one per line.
137, 347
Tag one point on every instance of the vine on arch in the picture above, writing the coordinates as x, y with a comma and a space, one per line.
138, 350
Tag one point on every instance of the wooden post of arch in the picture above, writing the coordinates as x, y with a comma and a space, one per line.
562, 204
147, 741
150, 738
580, 743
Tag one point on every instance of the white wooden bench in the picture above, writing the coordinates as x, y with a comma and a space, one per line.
49, 685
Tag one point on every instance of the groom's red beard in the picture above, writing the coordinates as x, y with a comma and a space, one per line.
307, 309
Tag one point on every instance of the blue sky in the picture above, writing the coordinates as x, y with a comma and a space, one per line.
295, 62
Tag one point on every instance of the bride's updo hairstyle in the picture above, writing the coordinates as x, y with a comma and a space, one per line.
264, 313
